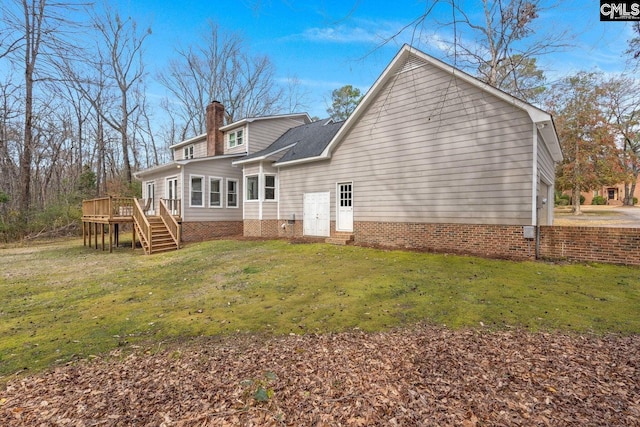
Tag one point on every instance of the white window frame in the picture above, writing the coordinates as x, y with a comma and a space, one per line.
274, 187
248, 188
228, 193
202, 191
235, 138
213, 179
187, 152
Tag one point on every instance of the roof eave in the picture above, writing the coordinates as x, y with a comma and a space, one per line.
160, 168
189, 141
244, 121
302, 161
264, 157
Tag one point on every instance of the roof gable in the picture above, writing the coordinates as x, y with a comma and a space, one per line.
408, 59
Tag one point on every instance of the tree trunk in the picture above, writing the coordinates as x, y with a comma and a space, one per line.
632, 191
576, 201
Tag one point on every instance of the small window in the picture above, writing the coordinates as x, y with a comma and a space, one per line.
236, 138
215, 192
188, 152
196, 191
232, 193
252, 188
269, 187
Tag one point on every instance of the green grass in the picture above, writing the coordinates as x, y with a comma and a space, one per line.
61, 301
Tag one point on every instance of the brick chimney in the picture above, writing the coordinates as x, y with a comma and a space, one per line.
214, 121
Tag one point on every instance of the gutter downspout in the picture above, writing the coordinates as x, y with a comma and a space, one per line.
534, 189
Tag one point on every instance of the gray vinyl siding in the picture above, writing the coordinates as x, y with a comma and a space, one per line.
431, 148
159, 181
263, 133
199, 150
546, 165
218, 168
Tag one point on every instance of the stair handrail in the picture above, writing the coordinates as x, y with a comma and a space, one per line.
170, 222
143, 225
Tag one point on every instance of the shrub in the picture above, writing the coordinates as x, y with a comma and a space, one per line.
635, 200
599, 200
562, 200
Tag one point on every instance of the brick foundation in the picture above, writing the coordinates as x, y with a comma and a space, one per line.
583, 244
207, 230
272, 229
491, 241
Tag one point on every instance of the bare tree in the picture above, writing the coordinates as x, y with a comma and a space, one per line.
10, 140
120, 50
295, 98
39, 30
500, 44
218, 69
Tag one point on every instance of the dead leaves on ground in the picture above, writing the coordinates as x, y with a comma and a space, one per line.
422, 376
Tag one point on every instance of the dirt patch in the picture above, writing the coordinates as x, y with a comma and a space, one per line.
421, 376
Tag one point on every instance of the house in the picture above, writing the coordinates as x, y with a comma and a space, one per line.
201, 185
431, 158
613, 194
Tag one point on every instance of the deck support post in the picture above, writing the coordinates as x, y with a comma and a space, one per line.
110, 238
95, 234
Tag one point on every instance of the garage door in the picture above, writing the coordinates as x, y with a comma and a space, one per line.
316, 214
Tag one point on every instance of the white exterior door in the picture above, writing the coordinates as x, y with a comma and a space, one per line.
344, 205
172, 195
316, 214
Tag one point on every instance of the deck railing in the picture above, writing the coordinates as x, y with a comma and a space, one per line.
107, 207
174, 206
170, 222
141, 221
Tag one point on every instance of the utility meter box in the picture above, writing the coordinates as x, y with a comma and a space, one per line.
529, 232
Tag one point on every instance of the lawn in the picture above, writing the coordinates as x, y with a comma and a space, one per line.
62, 301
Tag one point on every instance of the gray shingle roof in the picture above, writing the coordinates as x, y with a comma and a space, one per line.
303, 141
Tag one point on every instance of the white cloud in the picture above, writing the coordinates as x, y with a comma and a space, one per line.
344, 34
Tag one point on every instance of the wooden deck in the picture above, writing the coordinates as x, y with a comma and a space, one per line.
155, 233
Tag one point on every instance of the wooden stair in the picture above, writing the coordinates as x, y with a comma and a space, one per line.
161, 240
340, 239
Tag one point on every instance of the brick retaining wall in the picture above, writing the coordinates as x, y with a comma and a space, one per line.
591, 244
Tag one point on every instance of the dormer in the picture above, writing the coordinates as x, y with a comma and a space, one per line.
192, 148
256, 133
236, 138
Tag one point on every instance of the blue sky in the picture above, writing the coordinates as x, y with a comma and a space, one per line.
327, 44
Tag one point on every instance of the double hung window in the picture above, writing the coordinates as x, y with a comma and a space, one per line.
232, 193
215, 192
196, 190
